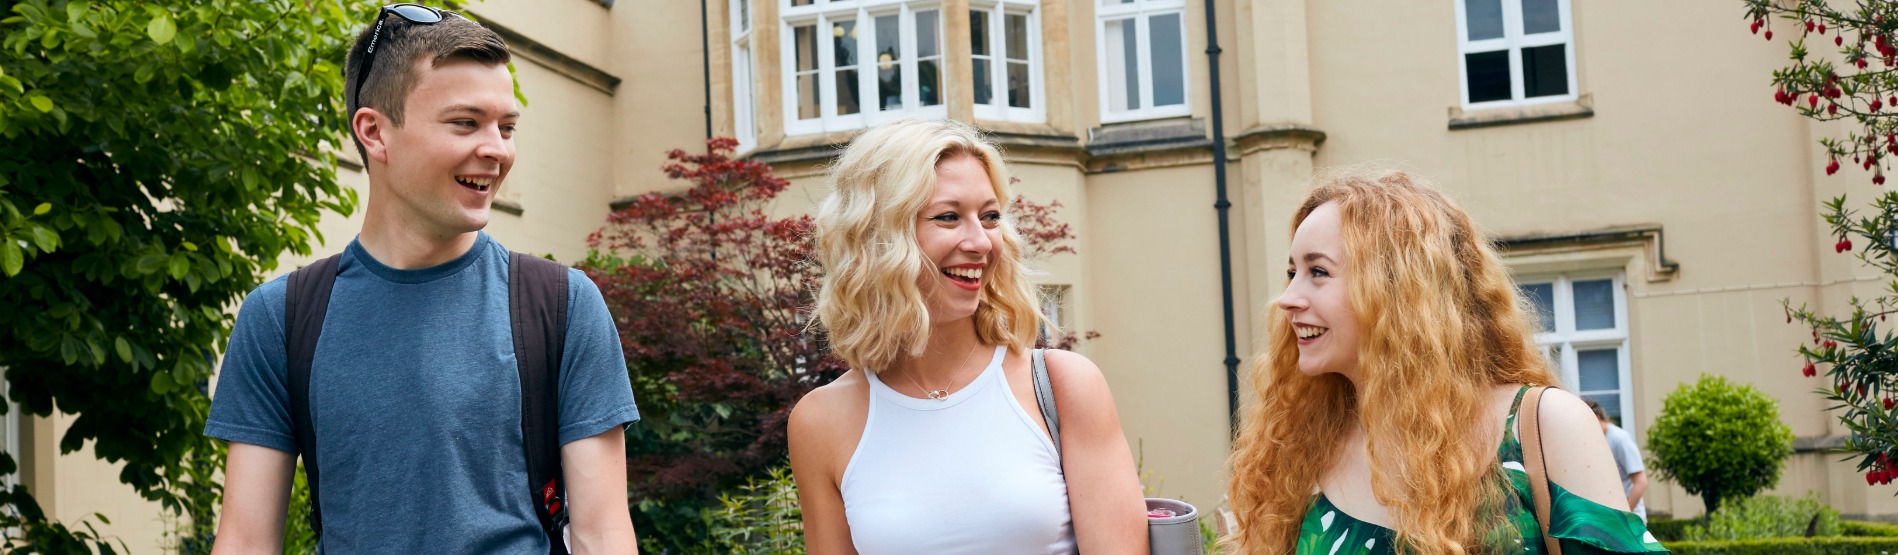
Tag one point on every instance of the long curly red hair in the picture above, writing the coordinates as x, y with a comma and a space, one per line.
1442, 324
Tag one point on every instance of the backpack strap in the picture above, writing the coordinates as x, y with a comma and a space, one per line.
1533, 463
1044, 397
537, 310
306, 301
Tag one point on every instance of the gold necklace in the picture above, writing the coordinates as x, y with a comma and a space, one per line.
943, 394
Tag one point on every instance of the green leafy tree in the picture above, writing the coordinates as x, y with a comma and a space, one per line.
160, 157
1844, 68
1719, 440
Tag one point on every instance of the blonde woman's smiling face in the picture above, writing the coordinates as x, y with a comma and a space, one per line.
1317, 298
957, 231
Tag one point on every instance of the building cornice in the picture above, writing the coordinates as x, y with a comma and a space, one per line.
546, 56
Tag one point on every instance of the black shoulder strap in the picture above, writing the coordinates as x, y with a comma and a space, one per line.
306, 300
1044, 397
537, 310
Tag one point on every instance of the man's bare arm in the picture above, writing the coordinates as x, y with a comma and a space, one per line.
595, 470
256, 498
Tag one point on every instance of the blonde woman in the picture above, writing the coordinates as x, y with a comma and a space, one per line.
1387, 399
932, 442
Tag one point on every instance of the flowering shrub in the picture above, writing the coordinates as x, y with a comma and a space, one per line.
1856, 85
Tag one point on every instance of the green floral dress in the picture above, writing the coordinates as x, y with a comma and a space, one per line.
1580, 526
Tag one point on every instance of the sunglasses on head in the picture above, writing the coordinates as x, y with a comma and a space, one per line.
413, 13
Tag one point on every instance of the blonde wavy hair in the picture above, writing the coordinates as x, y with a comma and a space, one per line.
868, 302
1441, 324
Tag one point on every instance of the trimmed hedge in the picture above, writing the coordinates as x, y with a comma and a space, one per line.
1837, 545
1670, 529
1866, 529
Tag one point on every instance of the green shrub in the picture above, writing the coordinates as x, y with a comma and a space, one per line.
1868, 529
1719, 440
1670, 529
1838, 545
762, 518
1767, 516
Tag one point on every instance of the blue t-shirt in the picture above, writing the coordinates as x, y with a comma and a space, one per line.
416, 401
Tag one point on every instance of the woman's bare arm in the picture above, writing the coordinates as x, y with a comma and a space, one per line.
1103, 486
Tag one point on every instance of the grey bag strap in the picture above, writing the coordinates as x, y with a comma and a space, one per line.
1044, 397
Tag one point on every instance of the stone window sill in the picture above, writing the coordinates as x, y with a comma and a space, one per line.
1583, 107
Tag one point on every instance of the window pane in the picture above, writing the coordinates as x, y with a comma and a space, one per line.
984, 91
1015, 33
844, 51
1488, 75
1018, 95
1543, 296
1123, 61
1610, 403
930, 86
1599, 369
802, 2
804, 42
807, 96
928, 34
843, 42
1595, 304
929, 57
889, 63
744, 15
1545, 71
1540, 16
1169, 73
978, 33
1485, 18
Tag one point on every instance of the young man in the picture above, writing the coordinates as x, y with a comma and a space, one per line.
1634, 474
414, 395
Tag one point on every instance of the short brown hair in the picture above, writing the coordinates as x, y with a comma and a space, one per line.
1600, 414
400, 47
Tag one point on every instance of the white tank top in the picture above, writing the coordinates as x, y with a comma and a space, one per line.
968, 474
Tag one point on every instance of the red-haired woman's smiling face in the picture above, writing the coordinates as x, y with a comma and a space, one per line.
1317, 298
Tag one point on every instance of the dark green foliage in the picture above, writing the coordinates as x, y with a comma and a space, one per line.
159, 158
1768, 516
1719, 440
1669, 529
1838, 545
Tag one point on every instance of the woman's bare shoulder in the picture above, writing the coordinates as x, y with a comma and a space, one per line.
829, 410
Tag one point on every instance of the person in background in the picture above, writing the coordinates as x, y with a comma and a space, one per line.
1634, 475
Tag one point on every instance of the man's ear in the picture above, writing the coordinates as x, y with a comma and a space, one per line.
369, 125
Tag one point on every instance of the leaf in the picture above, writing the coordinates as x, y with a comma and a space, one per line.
124, 348
44, 238
42, 209
162, 29
40, 102
11, 259
179, 265
150, 262
12, 83
77, 10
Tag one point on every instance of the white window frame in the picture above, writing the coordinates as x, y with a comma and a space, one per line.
1567, 340
864, 12
1054, 305
998, 108
1514, 41
1142, 12
744, 105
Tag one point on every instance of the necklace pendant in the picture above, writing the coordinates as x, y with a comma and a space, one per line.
939, 394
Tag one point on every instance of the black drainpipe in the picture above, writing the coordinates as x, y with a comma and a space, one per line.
705, 42
1222, 205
